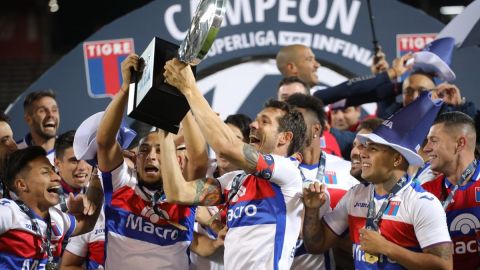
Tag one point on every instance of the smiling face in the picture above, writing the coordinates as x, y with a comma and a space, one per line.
357, 147
377, 162
343, 119
305, 66
38, 183
264, 134
148, 160
7, 143
44, 118
76, 173
440, 148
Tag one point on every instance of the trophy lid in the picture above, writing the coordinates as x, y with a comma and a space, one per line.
203, 30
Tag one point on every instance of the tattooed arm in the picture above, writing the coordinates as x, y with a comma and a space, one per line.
218, 135
205, 191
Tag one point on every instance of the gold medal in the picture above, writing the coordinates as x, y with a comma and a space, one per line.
371, 258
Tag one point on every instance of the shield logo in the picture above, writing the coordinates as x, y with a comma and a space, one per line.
102, 65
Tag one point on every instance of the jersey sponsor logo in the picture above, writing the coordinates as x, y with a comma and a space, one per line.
248, 210
360, 204
359, 256
102, 65
477, 194
465, 223
137, 223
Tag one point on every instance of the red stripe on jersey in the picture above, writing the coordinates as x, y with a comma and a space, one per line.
26, 245
95, 250
336, 195
397, 232
126, 199
254, 188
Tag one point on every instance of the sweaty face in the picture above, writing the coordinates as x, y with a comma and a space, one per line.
44, 118
414, 85
7, 143
306, 66
148, 159
377, 162
264, 132
440, 148
75, 172
287, 90
356, 169
42, 183
343, 119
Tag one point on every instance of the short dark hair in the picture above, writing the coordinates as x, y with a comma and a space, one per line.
63, 142
34, 96
292, 121
18, 161
455, 119
4, 117
370, 124
310, 103
293, 79
242, 122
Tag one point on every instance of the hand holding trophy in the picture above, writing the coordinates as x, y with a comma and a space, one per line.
151, 99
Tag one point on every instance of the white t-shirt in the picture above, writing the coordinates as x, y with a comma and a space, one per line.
20, 243
414, 220
338, 181
90, 245
264, 217
137, 237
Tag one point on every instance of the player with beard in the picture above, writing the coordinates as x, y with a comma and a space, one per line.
31, 229
264, 199
365, 127
142, 228
43, 119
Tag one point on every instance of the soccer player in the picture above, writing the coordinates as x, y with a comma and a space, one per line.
31, 229
264, 200
451, 151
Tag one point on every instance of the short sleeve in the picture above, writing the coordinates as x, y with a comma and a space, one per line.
119, 177
429, 221
6, 215
78, 245
337, 220
280, 171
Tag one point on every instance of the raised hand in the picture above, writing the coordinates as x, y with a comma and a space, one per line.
379, 63
132, 61
314, 195
400, 66
80, 205
449, 93
180, 75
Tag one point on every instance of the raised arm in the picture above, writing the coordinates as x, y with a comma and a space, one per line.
218, 135
92, 206
197, 154
109, 153
317, 237
205, 191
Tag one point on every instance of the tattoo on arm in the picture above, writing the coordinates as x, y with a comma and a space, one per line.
208, 192
443, 251
251, 156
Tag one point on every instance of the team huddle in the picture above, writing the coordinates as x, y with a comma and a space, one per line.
298, 187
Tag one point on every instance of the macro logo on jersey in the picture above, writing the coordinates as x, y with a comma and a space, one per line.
392, 208
102, 65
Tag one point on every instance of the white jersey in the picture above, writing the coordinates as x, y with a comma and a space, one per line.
20, 242
414, 219
338, 180
27, 141
264, 217
90, 245
137, 237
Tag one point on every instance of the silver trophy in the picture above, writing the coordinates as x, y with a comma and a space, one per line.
151, 99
